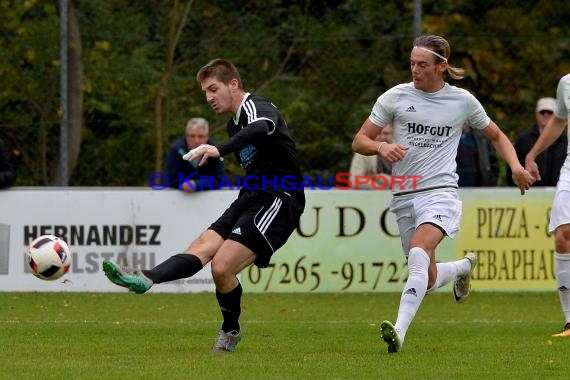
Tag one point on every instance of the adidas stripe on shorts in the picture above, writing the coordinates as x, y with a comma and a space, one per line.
260, 220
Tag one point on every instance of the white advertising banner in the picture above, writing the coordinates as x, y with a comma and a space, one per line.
139, 227
347, 240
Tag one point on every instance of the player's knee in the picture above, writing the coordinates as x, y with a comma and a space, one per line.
219, 269
222, 269
562, 240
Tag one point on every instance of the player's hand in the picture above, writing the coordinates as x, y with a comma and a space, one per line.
195, 153
392, 152
202, 153
531, 166
523, 179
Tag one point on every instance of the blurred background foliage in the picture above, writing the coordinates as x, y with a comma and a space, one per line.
323, 63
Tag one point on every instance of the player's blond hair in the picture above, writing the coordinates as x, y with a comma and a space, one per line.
441, 49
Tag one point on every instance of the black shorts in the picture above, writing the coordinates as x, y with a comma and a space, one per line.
260, 220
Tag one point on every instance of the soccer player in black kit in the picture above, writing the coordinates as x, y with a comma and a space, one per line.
258, 222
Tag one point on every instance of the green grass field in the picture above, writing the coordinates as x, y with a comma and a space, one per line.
287, 336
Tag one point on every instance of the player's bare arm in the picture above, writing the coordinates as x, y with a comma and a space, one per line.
521, 177
365, 143
551, 132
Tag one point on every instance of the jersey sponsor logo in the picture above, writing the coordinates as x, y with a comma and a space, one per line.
428, 130
411, 109
247, 155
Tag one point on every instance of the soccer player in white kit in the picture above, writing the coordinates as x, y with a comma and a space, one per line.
560, 214
427, 116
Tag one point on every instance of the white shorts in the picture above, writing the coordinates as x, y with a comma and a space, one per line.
438, 207
560, 213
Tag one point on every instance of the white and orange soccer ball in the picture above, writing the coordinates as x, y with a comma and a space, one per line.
48, 257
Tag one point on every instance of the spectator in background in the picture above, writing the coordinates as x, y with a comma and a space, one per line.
551, 159
7, 169
373, 165
184, 175
476, 160
559, 223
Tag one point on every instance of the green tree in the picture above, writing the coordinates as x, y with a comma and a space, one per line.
323, 63
28, 99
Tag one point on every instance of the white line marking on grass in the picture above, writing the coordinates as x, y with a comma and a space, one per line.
75, 322
265, 322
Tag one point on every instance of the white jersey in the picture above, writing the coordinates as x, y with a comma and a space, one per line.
430, 124
561, 111
560, 213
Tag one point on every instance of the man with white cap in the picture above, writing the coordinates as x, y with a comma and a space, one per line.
550, 161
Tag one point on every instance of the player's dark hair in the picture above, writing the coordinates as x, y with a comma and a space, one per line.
441, 47
224, 70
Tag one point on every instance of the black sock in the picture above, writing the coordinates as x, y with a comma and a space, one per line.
179, 266
230, 305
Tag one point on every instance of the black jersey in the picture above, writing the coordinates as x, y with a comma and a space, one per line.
261, 142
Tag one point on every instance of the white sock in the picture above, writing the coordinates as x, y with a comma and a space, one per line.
414, 291
562, 270
447, 272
